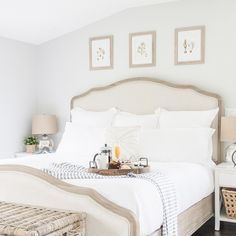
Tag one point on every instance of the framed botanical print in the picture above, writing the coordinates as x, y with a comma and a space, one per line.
142, 49
190, 45
101, 53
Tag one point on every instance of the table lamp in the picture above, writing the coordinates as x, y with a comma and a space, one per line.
44, 125
228, 134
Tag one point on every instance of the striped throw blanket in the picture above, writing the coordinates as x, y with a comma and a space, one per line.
163, 185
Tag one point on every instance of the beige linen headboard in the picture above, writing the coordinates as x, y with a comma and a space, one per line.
145, 95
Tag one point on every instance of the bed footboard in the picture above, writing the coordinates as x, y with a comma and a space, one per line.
26, 185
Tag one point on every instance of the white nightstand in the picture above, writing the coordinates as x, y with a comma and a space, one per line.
23, 154
225, 176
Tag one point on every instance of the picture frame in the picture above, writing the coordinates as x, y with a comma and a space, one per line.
190, 45
101, 52
142, 49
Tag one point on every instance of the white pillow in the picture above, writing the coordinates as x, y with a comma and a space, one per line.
177, 145
186, 119
81, 142
125, 119
127, 138
93, 118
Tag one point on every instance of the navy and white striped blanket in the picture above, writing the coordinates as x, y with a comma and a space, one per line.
163, 185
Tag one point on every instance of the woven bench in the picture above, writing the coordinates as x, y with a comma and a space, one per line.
21, 220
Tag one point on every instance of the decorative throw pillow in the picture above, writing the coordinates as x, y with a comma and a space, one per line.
127, 138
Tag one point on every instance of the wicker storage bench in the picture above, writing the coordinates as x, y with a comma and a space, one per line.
21, 220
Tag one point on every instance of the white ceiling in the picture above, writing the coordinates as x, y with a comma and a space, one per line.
37, 21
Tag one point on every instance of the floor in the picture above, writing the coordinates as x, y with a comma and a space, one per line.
227, 229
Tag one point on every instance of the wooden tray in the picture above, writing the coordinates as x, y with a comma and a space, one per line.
114, 172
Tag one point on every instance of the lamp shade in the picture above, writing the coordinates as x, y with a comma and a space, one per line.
44, 124
228, 129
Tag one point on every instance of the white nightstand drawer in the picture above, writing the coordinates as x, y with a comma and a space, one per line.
227, 179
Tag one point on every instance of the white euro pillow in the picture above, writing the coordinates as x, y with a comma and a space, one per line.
177, 145
93, 118
81, 142
186, 119
126, 119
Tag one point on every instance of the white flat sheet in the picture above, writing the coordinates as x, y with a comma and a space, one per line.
193, 182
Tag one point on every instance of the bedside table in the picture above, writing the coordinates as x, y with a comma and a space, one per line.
225, 176
23, 154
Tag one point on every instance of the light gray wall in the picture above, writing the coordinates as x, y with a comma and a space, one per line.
17, 94
47, 76
63, 63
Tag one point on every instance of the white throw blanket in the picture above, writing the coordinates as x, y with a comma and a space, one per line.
163, 185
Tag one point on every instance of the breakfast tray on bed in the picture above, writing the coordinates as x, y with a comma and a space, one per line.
114, 172
21, 220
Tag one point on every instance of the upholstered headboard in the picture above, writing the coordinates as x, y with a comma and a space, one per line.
144, 95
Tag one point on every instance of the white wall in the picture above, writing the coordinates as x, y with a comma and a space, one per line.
63, 63
17, 94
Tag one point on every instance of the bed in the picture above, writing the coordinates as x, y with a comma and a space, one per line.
21, 181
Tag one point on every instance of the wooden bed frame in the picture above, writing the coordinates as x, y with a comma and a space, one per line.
25, 185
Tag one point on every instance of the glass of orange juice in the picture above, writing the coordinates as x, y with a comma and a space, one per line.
117, 151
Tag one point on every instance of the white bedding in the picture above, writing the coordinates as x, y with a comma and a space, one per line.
192, 181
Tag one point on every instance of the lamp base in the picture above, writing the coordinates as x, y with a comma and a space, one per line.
44, 151
234, 158
231, 153
45, 144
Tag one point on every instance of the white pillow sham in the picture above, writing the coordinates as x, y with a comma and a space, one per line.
126, 119
177, 145
81, 142
186, 119
93, 118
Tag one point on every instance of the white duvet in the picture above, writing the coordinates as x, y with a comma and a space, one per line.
193, 182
